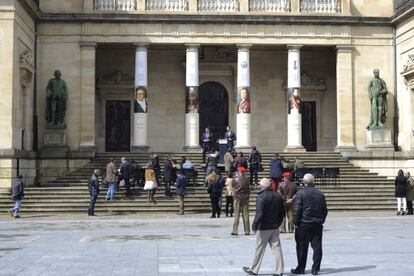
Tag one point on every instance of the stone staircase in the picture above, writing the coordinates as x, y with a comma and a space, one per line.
359, 189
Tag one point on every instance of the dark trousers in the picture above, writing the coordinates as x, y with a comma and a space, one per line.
168, 189
206, 148
305, 234
215, 206
410, 206
127, 186
93, 196
254, 174
229, 205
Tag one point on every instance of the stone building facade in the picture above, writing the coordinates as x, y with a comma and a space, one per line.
109, 49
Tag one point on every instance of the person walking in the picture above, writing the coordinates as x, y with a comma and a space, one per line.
228, 161
255, 160
241, 195
287, 190
151, 183
215, 189
410, 193
17, 194
93, 186
401, 192
169, 176
110, 179
270, 211
310, 212
276, 169
211, 164
229, 194
181, 190
125, 170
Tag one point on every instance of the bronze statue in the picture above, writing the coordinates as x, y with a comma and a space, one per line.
377, 91
56, 98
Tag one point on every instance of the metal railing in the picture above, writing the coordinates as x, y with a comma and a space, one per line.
269, 5
115, 5
218, 5
167, 5
320, 6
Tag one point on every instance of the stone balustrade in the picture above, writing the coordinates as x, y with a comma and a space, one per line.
167, 5
269, 5
218, 5
320, 6
115, 5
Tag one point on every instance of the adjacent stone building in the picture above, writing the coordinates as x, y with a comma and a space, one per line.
191, 60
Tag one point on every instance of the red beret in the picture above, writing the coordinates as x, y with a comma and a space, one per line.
286, 174
242, 169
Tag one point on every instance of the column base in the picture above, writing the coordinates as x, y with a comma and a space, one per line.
140, 148
294, 149
192, 148
345, 148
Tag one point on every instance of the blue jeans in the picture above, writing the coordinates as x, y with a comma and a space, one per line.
17, 205
111, 190
93, 196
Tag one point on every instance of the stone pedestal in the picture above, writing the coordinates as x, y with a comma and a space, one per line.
54, 143
192, 123
140, 133
243, 131
379, 140
295, 133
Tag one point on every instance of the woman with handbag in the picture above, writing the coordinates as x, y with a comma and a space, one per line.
150, 183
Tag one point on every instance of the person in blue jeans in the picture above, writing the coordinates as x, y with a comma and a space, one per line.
110, 179
93, 186
17, 194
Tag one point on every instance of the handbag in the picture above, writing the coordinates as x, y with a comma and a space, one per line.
150, 185
122, 184
260, 167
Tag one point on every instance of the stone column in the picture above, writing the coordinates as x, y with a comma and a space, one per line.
192, 123
139, 142
244, 6
87, 105
344, 99
294, 124
243, 96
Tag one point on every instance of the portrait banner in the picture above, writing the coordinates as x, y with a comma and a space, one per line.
140, 104
243, 100
294, 100
192, 101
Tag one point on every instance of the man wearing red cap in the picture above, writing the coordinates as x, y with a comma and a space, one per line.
241, 195
288, 190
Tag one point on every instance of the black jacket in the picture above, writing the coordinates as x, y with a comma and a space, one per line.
215, 188
276, 168
255, 157
401, 186
309, 206
125, 170
93, 184
169, 173
270, 210
17, 190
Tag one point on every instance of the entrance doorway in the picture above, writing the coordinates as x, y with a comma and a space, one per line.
309, 141
118, 122
213, 109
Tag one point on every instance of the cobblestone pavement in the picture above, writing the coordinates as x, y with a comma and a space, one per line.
193, 245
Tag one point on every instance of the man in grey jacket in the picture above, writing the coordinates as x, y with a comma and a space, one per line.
17, 194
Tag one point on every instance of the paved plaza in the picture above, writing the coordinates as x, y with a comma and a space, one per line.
193, 245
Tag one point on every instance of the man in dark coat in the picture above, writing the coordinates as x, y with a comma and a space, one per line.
241, 196
17, 194
93, 186
269, 214
276, 169
255, 160
207, 139
310, 212
230, 137
125, 169
169, 176
181, 190
401, 185
287, 190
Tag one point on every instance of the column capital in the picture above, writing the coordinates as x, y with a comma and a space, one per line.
88, 44
344, 48
192, 46
244, 46
141, 45
294, 47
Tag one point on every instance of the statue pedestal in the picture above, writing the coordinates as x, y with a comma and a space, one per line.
379, 140
54, 143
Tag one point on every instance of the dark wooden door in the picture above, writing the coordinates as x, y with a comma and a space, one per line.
118, 126
213, 109
309, 126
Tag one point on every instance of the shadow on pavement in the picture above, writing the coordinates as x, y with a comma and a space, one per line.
346, 269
